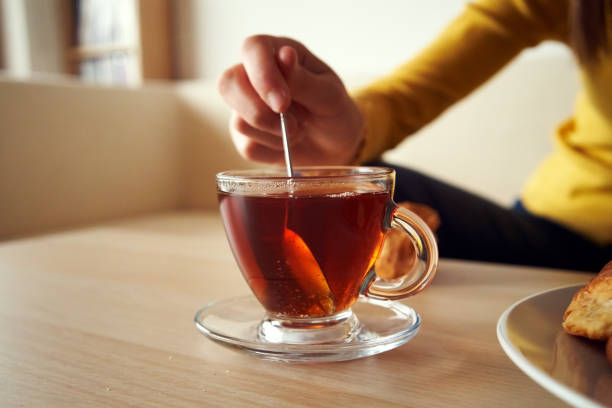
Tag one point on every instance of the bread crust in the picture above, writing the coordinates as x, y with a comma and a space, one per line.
589, 314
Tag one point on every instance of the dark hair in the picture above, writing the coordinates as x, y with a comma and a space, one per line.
588, 28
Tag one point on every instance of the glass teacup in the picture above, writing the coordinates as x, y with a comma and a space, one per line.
307, 246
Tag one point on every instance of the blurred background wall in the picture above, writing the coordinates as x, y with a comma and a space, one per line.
196, 39
109, 107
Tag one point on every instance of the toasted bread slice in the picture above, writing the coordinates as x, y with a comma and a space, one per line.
589, 314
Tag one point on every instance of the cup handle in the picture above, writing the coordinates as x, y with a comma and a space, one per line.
417, 279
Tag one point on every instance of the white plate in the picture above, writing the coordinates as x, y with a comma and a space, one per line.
572, 368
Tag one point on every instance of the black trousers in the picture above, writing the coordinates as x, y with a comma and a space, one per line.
475, 228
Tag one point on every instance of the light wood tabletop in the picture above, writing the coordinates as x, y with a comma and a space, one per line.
103, 316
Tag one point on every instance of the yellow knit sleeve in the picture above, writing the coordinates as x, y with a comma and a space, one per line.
472, 48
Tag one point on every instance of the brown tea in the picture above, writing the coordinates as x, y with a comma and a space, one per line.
305, 254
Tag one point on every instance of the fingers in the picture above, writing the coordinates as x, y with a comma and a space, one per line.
281, 70
242, 127
287, 59
254, 127
260, 63
321, 93
237, 91
247, 138
252, 150
276, 72
427, 214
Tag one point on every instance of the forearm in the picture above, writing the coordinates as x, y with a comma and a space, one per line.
476, 45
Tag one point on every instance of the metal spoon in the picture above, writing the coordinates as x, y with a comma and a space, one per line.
302, 264
286, 146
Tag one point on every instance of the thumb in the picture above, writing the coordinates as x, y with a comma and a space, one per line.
319, 92
287, 60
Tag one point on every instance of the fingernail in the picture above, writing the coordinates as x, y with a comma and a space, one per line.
275, 101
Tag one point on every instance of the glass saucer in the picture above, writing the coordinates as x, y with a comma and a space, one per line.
383, 325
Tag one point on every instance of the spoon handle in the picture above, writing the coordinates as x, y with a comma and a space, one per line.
286, 146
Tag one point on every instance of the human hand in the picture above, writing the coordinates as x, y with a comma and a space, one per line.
281, 75
397, 254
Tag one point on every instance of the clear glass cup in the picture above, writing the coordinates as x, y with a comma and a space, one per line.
307, 246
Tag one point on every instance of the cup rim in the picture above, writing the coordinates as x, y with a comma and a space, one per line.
338, 173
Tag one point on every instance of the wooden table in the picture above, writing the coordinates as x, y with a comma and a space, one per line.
103, 316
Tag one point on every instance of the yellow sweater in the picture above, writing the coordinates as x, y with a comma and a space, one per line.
573, 186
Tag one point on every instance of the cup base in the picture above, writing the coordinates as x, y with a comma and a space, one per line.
371, 327
337, 329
